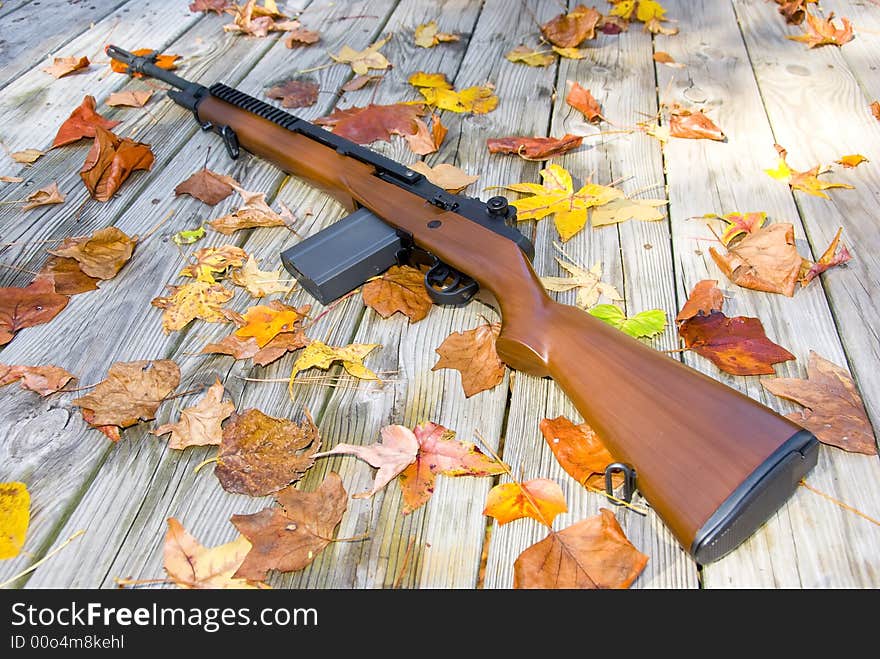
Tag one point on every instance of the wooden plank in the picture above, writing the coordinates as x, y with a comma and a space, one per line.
635, 257
809, 542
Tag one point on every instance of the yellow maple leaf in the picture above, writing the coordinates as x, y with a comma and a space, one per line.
363, 60
15, 515
643, 10
806, 181
438, 92
853, 160
320, 355
428, 36
263, 323
422, 79
198, 299
211, 260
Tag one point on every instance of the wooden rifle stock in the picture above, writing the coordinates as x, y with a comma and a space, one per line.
712, 462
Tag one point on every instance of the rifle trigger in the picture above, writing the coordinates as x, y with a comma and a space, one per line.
230, 140
629, 482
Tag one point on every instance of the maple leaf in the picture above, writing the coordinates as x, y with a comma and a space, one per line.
44, 380
592, 553
27, 156
81, 123
556, 196
132, 99
473, 354
261, 454
206, 186
531, 56
834, 411
642, 10
587, 282
198, 299
420, 79
688, 124
806, 181
568, 30
62, 66
66, 276
35, 304
101, 255
704, 298
191, 565
287, 537
449, 177
579, 452
295, 93
110, 161
399, 289
427, 35
364, 125
199, 425
15, 515
260, 283
851, 161
830, 258
623, 209
478, 99
163, 61
440, 453
736, 345
132, 392
247, 348
534, 148
398, 449
582, 100
319, 355
823, 32
362, 61
44, 197
541, 499
644, 324
212, 263
426, 140
255, 212
766, 260
263, 322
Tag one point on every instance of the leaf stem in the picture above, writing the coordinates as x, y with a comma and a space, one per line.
44, 559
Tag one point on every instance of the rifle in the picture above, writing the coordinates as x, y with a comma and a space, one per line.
713, 463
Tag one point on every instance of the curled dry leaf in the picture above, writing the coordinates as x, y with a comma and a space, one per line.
582, 100
206, 186
766, 260
531, 56
110, 162
247, 348
216, 6
830, 258
44, 380
67, 277
875, 109
100, 255
834, 410
739, 224
81, 123
541, 499
693, 125
358, 82
258, 21
199, 425
255, 212
44, 197
579, 452
362, 61
428, 35
794, 10
592, 553
704, 298
472, 353
11, 179
319, 355
449, 177
364, 125
15, 516
35, 304
62, 66
534, 148
426, 140
667, 59
568, 30
289, 536
823, 32
399, 289
295, 93
162, 60
261, 454
198, 299
132, 99
301, 36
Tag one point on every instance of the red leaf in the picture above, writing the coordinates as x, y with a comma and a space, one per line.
534, 148
374, 122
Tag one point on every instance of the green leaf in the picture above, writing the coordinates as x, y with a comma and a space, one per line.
189, 237
644, 324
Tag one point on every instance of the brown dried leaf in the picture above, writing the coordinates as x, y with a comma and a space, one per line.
364, 125
534, 148
81, 123
794, 10
206, 186
44, 197
301, 36
359, 82
399, 289
582, 100
100, 255
571, 29
449, 177
295, 93
830, 258
216, 6
579, 452
875, 109
246, 348
27, 156
362, 61
199, 425
44, 380
198, 299
766, 260
130, 99
255, 212
531, 56
67, 276
260, 283
704, 298
62, 66
35, 304
473, 354
110, 162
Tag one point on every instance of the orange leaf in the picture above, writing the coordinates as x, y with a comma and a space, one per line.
132, 99
400, 288
830, 258
766, 260
473, 354
44, 380
541, 499
569, 30
534, 148
44, 197
81, 123
582, 100
374, 122
693, 125
852, 161
100, 255
704, 298
822, 32
110, 162
579, 451
63, 66
167, 62
875, 109
263, 323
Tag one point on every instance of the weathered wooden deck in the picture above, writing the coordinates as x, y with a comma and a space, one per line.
761, 88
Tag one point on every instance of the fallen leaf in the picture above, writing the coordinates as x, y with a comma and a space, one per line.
358, 82
739, 224
399, 289
623, 209
295, 93
44, 197
534, 148
449, 177
665, 58
287, 537
644, 324
531, 56
35, 304
67, 277
255, 212
427, 35
362, 61
852, 161
830, 258
247, 348
806, 181
587, 282
421, 79
642, 10
582, 100
199, 425
261, 454
163, 61
211, 263
301, 36
206, 186
737, 345
592, 553
766, 260
473, 354
191, 565
834, 411
189, 236
823, 32
426, 140
100, 255
11, 179
478, 99
216, 6
27, 156
198, 299
110, 161
319, 355
568, 30
704, 298
263, 322
132, 392
569, 53
794, 10
364, 125
541, 499
612, 25
44, 380
875, 109
440, 453
131, 99
62, 66
398, 449
693, 125
260, 283
655, 26
579, 452
15, 516
81, 123
258, 21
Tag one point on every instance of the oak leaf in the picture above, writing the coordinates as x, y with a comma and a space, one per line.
592, 553
81, 123
587, 282
67, 277
834, 411
261, 454
644, 324
35, 304
319, 355
579, 452
766, 260
541, 499
110, 161
830, 258
582, 100
371, 123
570, 29
449, 177
473, 354
102, 254
15, 516
362, 61
704, 298
427, 35
260, 283
534, 148
132, 392
162, 60
191, 565
44, 197
853, 160
531, 56
823, 31
398, 289
206, 186
622, 209
693, 125
27, 156
736, 345
199, 425
806, 181
62, 66
212, 263
295, 93
198, 299
264, 322
44, 380
440, 453
133, 99
287, 537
